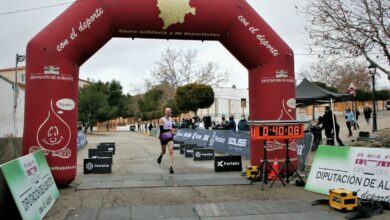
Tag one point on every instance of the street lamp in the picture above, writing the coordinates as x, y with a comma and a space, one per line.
19, 59
372, 70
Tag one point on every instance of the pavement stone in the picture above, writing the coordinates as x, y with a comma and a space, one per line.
157, 180
115, 213
179, 212
82, 214
147, 212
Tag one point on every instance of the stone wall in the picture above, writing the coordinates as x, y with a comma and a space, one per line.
10, 148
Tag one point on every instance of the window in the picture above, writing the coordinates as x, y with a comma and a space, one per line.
22, 78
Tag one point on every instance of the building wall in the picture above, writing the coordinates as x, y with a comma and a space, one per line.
227, 102
7, 119
9, 74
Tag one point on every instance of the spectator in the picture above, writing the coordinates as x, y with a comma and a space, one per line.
223, 121
327, 124
231, 124
150, 127
183, 123
367, 113
243, 124
349, 120
356, 125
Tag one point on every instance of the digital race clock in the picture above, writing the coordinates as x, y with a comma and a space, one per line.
279, 131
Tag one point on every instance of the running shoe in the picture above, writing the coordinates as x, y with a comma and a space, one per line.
159, 159
171, 170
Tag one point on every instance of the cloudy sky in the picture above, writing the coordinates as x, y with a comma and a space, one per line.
130, 61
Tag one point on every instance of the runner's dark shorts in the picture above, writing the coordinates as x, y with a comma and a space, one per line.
165, 142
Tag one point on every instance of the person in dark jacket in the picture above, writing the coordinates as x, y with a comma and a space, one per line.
367, 113
243, 124
231, 124
327, 125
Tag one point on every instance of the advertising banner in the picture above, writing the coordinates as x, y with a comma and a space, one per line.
107, 146
81, 140
303, 149
203, 154
230, 142
189, 150
31, 184
360, 169
199, 137
97, 165
100, 154
227, 163
234, 143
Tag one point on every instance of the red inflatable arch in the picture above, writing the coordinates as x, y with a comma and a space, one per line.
55, 55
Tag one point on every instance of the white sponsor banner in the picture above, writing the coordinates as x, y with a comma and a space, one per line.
360, 169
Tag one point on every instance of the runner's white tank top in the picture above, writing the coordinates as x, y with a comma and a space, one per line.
167, 123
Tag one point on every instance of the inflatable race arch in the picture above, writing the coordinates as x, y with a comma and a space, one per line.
55, 55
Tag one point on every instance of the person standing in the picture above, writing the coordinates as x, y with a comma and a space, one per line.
167, 129
356, 125
150, 127
223, 121
327, 125
367, 113
349, 120
243, 124
231, 124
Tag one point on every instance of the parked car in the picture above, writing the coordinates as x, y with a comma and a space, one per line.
388, 105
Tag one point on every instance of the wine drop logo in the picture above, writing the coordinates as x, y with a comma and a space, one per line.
54, 133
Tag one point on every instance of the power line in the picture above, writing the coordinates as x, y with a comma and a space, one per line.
38, 8
325, 54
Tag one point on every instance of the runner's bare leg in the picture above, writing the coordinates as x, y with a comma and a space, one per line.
170, 151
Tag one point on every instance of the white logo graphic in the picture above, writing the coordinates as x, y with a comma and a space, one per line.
198, 154
281, 74
300, 149
66, 104
31, 168
291, 103
220, 163
54, 134
235, 142
51, 70
212, 138
89, 166
372, 164
53, 137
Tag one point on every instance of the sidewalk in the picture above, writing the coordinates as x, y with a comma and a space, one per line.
383, 121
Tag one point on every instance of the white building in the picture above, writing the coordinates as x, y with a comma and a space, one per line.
227, 102
11, 115
9, 73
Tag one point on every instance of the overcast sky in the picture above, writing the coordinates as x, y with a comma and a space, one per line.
130, 61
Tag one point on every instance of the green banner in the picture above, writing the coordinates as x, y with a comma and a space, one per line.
31, 184
360, 169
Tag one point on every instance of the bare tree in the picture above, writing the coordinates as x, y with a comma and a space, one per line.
339, 74
178, 68
350, 29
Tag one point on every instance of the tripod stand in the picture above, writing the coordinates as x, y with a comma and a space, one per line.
262, 170
287, 164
